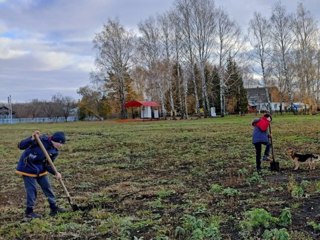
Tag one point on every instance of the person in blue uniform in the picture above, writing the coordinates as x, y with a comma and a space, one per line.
33, 168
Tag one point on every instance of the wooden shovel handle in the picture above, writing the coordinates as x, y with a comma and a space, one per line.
49, 160
271, 143
44, 150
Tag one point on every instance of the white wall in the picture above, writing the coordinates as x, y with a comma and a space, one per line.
146, 112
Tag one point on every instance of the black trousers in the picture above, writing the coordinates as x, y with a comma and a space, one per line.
258, 147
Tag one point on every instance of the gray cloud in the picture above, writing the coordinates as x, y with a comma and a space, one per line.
46, 46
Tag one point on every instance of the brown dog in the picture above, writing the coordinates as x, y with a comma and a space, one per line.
302, 158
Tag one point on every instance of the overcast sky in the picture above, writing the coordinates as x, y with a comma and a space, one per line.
46, 45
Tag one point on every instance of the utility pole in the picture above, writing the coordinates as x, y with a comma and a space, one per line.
10, 109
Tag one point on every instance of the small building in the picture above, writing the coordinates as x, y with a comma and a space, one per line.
258, 100
146, 109
4, 112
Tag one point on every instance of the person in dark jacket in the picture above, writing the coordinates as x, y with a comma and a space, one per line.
260, 136
33, 167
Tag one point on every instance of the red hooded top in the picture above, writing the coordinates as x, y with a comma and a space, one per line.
263, 124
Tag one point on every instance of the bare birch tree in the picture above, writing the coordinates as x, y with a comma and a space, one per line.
305, 30
183, 10
152, 55
317, 84
283, 41
259, 36
166, 36
177, 44
115, 47
203, 25
228, 44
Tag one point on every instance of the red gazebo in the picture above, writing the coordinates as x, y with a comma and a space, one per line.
143, 104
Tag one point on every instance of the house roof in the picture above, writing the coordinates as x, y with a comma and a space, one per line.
135, 103
257, 95
4, 108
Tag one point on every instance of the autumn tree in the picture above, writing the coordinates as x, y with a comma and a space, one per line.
90, 103
112, 94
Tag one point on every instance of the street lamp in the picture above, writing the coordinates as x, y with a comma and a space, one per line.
10, 109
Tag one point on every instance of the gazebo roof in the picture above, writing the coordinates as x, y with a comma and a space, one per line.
135, 103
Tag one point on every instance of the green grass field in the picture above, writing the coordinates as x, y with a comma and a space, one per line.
190, 179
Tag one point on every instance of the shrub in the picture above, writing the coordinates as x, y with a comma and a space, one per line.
255, 178
278, 234
216, 188
314, 225
260, 219
242, 172
230, 192
297, 191
163, 193
196, 228
317, 186
285, 218
255, 219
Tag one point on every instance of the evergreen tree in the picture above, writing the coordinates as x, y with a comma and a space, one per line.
236, 95
215, 89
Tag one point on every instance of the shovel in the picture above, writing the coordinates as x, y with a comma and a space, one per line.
73, 206
274, 166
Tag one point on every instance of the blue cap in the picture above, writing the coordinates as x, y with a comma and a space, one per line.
58, 137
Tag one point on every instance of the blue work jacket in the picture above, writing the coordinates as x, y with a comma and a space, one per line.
33, 162
259, 136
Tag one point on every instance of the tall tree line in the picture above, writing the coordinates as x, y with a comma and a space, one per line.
59, 106
286, 47
195, 57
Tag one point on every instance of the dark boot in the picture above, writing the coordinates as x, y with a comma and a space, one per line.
55, 210
30, 214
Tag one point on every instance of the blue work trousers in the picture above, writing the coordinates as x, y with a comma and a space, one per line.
30, 184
